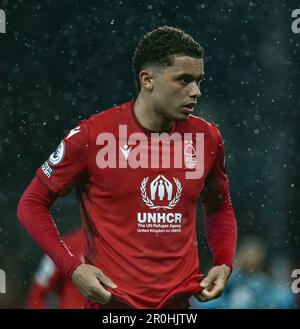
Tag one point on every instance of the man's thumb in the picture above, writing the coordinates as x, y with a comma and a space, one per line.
205, 283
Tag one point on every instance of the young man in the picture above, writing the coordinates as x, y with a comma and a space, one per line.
139, 169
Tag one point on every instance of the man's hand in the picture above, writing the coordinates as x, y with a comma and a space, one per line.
92, 283
214, 284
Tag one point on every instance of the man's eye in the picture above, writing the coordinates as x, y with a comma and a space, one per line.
185, 81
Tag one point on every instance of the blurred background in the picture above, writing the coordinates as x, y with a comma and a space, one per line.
61, 61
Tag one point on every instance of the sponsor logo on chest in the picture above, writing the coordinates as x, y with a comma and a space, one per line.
160, 194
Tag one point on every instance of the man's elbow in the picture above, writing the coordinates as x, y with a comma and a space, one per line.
21, 209
36, 200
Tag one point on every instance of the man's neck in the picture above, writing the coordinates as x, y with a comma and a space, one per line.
149, 118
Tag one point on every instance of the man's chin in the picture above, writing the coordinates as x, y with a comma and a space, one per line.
182, 117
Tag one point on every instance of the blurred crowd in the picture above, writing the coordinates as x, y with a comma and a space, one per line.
257, 282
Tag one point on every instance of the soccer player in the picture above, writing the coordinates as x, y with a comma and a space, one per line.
49, 280
139, 169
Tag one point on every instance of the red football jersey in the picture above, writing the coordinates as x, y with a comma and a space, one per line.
139, 214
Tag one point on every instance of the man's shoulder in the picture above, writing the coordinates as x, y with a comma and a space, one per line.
198, 124
107, 120
110, 115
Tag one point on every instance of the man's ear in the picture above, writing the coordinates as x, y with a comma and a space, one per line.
146, 80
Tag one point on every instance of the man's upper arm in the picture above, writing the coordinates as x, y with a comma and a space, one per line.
61, 170
216, 184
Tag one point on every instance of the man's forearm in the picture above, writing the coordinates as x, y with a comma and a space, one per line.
34, 214
221, 232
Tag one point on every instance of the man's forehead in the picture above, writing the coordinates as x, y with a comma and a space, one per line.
187, 65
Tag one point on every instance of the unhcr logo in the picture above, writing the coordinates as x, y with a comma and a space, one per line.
2, 282
161, 189
2, 21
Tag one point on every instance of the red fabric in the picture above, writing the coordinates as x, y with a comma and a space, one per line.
33, 213
221, 232
49, 279
69, 295
37, 296
219, 218
149, 267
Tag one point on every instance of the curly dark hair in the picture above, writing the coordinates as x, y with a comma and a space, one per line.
157, 47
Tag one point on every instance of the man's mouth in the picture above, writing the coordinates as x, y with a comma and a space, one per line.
189, 107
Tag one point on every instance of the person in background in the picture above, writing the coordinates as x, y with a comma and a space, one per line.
49, 281
254, 284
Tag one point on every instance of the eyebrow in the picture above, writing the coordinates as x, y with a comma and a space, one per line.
190, 76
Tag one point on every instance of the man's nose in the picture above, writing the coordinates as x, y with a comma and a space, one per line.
195, 90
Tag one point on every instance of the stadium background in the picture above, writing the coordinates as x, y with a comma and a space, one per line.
61, 61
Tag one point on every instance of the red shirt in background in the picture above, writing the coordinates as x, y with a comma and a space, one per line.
50, 280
